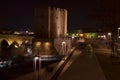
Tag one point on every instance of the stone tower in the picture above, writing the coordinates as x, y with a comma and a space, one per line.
50, 22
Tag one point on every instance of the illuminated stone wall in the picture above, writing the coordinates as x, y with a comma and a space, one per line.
19, 40
50, 22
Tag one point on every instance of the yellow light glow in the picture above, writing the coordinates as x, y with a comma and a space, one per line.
38, 43
19, 42
47, 45
16, 46
87, 35
81, 35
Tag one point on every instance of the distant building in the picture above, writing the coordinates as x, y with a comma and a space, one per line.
50, 22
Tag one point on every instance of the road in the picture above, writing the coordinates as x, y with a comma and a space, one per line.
110, 65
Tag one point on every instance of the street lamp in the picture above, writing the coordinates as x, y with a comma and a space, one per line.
109, 36
39, 67
34, 67
109, 39
64, 47
35, 75
118, 33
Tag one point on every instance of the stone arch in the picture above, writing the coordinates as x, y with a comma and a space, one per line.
4, 44
13, 44
4, 48
13, 47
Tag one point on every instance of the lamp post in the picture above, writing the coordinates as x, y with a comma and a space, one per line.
34, 67
118, 34
36, 76
109, 36
109, 39
39, 67
64, 47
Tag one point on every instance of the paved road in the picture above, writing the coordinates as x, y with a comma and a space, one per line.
110, 65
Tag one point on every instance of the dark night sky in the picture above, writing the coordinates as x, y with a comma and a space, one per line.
81, 13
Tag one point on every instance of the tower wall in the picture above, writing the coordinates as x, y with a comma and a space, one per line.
41, 22
50, 22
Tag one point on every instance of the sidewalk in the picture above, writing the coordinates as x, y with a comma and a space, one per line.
85, 67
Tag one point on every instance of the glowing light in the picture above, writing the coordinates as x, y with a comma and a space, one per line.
36, 58
81, 35
38, 43
16, 46
87, 35
16, 32
109, 33
118, 34
72, 37
47, 45
63, 47
119, 28
119, 37
26, 31
63, 42
93, 35
26, 41
104, 36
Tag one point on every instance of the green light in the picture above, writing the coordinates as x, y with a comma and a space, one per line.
93, 35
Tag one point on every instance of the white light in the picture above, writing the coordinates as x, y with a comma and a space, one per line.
118, 36
16, 46
26, 31
26, 41
109, 33
72, 37
36, 58
99, 36
104, 36
119, 28
63, 42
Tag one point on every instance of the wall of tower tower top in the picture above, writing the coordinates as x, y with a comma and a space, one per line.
59, 9
54, 22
